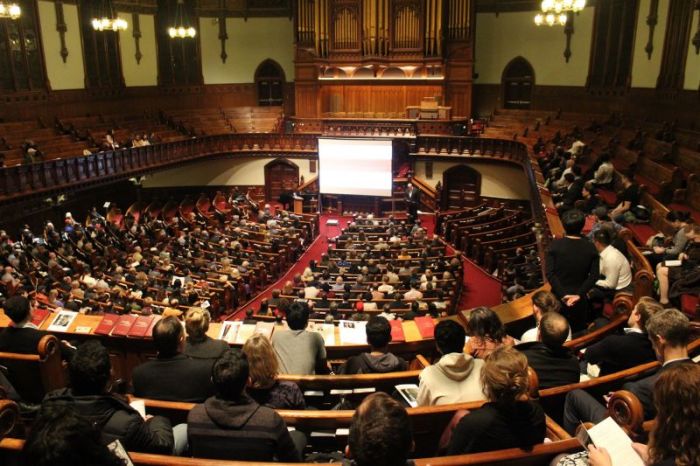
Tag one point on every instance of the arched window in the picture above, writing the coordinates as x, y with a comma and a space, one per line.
21, 62
518, 80
269, 80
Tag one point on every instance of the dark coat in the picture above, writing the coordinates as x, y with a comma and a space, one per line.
118, 421
554, 367
209, 348
178, 378
239, 430
618, 352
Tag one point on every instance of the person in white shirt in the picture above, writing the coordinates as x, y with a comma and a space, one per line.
413, 294
385, 287
615, 270
542, 303
604, 174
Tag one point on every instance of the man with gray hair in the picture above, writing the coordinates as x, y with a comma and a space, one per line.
669, 332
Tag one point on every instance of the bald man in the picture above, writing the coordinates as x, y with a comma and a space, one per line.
555, 365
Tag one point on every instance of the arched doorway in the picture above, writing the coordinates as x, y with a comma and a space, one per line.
281, 177
518, 80
269, 81
461, 187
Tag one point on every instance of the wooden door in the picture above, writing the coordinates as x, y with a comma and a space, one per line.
280, 176
461, 188
518, 81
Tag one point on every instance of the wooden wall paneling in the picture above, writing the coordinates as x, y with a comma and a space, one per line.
679, 23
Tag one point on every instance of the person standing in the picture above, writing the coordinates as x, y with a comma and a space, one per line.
572, 268
412, 198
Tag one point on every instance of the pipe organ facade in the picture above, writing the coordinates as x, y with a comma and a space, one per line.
342, 43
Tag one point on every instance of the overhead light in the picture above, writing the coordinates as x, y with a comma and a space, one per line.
182, 28
10, 11
555, 12
106, 20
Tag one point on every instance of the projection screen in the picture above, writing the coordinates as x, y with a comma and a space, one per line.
355, 166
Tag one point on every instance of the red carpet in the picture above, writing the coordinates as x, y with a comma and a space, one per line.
480, 289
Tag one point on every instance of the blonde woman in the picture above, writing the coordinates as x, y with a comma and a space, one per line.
198, 344
263, 386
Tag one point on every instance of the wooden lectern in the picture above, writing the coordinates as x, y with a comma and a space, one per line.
298, 205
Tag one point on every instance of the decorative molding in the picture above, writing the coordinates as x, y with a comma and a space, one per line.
652, 20
135, 21
61, 27
223, 35
676, 43
568, 31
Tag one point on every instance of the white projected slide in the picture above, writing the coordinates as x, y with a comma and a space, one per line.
355, 166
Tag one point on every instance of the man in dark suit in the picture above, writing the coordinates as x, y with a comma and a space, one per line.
572, 268
618, 352
22, 336
554, 364
172, 375
669, 332
412, 198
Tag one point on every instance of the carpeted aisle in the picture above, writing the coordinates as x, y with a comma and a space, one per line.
480, 288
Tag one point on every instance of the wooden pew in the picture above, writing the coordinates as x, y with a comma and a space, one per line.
33, 375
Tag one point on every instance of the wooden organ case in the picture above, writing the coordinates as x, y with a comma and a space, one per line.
376, 58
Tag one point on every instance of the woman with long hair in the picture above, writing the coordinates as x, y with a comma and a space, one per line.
486, 332
675, 438
264, 369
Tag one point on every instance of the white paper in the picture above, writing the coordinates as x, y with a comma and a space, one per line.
229, 329
607, 434
140, 406
352, 333
119, 451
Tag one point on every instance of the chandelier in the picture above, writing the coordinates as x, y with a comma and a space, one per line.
556, 11
10, 11
181, 29
106, 20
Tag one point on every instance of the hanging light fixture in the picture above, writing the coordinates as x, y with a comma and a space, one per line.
555, 12
182, 28
10, 11
106, 20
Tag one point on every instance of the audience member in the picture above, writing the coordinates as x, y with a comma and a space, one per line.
60, 437
542, 302
554, 364
678, 279
22, 336
669, 332
89, 372
486, 332
379, 359
455, 377
263, 386
615, 272
627, 200
572, 268
618, 352
172, 375
380, 433
198, 344
509, 419
299, 351
232, 426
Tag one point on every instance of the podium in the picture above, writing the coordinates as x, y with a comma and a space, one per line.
298, 205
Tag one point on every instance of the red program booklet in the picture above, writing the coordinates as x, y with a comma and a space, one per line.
397, 334
426, 326
39, 316
149, 332
123, 325
140, 327
107, 324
